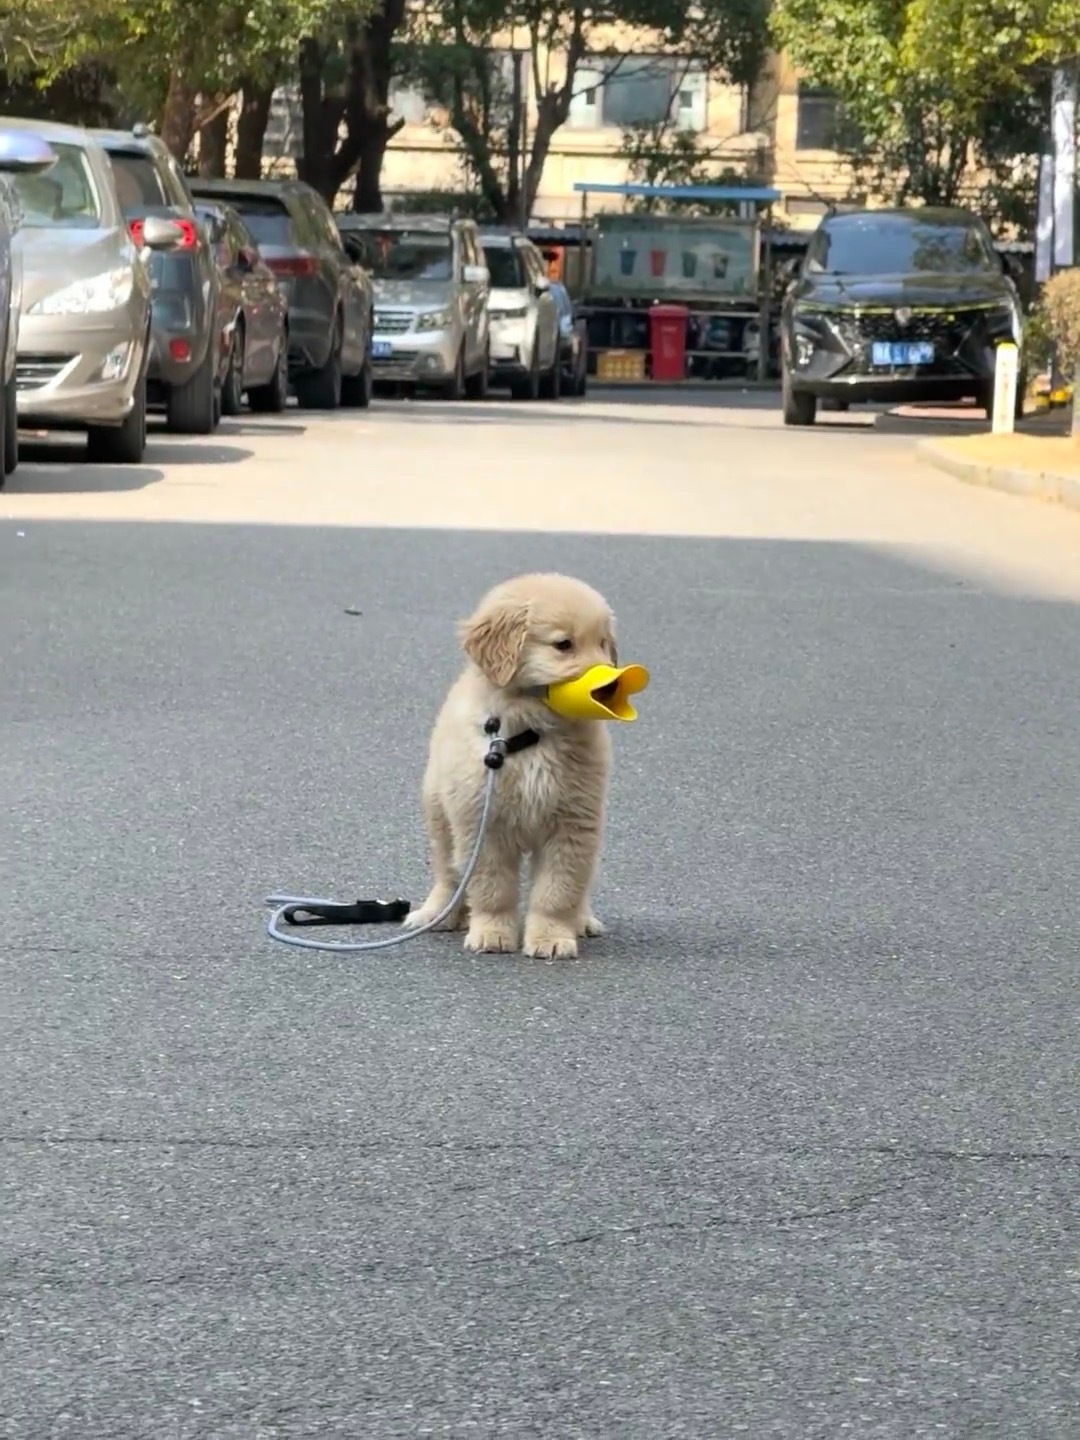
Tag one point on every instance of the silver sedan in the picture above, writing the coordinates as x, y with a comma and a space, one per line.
82, 346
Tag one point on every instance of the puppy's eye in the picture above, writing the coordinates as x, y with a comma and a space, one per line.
563, 644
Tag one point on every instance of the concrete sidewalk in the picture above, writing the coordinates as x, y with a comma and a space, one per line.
1040, 466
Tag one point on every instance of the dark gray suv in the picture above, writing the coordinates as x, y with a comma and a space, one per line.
187, 356
330, 297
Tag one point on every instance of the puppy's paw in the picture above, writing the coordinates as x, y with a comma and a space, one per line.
489, 935
548, 941
591, 927
416, 919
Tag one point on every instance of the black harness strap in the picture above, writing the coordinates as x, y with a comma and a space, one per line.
524, 740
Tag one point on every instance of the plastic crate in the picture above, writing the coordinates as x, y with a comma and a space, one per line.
620, 365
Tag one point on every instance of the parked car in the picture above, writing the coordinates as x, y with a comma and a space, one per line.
573, 342
524, 318
22, 153
84, 331
330, 298
896, 306
431, 324
254, 316
187, 356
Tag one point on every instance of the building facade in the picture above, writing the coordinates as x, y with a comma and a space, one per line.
780, 132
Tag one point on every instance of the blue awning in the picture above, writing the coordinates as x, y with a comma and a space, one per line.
751, 194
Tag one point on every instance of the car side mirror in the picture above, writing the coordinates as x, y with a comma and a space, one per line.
542, 285
789, 270
1013, 267
476, 274
24, 154
160, 234
247, 257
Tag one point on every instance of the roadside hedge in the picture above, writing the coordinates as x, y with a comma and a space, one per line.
1060, 303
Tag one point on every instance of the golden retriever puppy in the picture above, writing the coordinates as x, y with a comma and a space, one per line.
548, 804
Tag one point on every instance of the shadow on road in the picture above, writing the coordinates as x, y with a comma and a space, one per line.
248, 425
61, 468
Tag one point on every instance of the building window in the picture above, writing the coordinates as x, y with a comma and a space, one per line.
431, 74
284, 138
639, 90
821, 122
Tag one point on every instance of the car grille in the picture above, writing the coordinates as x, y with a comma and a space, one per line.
32, 372
947, 329
393, 322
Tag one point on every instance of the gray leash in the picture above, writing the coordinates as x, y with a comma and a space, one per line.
285, 907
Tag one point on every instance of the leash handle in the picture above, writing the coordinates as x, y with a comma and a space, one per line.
360, 912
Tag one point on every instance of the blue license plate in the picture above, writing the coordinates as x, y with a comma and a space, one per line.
902, 352
381, 350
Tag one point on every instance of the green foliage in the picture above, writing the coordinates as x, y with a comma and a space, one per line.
659, 155
1060, 307
936, 90
454, 55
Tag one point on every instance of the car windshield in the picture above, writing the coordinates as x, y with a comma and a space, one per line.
267, 219
504, 266
406, 254
64, 196
899, 245
138, 183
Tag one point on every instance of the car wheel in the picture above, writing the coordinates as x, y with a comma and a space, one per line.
272, 398
321, 389
476, 386
356, 389
192, 408
551, 383
800, 408
232, 389
120, 444
11, 430
455, 388
528, 388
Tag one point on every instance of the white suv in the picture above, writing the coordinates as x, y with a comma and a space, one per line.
431, 289
524, 318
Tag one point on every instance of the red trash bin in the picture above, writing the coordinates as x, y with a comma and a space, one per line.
667, 341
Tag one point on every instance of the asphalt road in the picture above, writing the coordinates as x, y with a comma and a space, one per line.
792, 1152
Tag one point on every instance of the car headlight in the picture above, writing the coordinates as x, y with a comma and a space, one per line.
108, 291
435, 320
517, 313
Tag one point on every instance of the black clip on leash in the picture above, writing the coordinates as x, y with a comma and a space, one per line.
302, 911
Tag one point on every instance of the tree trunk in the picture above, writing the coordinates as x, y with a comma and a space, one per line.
322, 116
178, 115
214, 143
251, 129
367, 195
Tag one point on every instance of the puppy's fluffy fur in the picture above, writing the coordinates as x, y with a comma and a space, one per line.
548, 805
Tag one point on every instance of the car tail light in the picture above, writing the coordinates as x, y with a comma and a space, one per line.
180, 350
187, 235
290, 266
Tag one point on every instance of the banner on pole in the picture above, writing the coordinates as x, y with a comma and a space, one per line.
1064, 128
1044, 225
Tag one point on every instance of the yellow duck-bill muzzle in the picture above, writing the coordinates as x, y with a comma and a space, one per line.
602, 693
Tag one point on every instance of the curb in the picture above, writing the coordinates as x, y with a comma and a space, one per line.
701, 387
1031, 484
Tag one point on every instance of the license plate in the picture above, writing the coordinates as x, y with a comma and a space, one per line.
381, 350
903, 352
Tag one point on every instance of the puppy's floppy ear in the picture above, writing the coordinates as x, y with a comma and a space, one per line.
494, 637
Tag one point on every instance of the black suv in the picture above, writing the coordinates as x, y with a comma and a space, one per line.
187, 353
896, 306
330, 297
